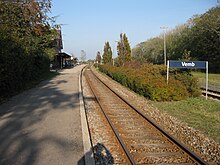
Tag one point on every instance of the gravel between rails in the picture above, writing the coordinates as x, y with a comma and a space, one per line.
106, 148
207, 148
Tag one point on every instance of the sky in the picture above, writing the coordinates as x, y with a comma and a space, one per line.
88, 24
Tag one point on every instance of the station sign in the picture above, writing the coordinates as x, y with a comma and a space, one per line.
187, 64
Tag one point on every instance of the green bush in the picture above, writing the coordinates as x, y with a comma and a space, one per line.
150, 81
19, 67
26, 44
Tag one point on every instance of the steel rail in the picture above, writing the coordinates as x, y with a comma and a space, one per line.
132, 161
174, 140
211, 90
211, 93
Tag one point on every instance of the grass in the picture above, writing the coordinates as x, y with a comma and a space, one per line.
198, 113
214, 79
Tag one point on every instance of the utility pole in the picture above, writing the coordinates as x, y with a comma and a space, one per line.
164, 38
83, 56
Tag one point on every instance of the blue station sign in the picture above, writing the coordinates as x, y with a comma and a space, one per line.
187, 64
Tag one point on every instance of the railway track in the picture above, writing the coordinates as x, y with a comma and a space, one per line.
141, 140
211, 93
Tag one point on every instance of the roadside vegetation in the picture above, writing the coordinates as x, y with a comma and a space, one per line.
198, 113
150, 81
27, 38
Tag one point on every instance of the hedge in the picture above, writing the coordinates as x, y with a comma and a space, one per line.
150, 81
19, 67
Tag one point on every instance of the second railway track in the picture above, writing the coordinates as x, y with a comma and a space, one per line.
211, 93
142, 141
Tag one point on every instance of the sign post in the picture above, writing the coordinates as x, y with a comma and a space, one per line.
168, 65
206, 82
189, 65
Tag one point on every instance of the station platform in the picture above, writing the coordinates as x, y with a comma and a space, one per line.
46, 124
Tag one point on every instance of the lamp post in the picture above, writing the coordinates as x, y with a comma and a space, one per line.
83, 56
164, 44
115, 47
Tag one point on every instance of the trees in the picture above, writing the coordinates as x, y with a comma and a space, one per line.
205, 38
25, 17
107, 55
124, 50
178, 41
98, 57
177, 45
26, 41
83, 56
198, 39
27, 22
150, 51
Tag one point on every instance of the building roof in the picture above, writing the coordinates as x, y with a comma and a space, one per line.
63, 54
59, 42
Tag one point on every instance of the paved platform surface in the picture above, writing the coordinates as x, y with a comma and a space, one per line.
42, 125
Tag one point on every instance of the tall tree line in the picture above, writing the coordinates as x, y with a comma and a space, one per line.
107, 54
98, 57
26, 41
198, 39
124, 50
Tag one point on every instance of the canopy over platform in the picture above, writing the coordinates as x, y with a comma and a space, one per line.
62, 59
64, 55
